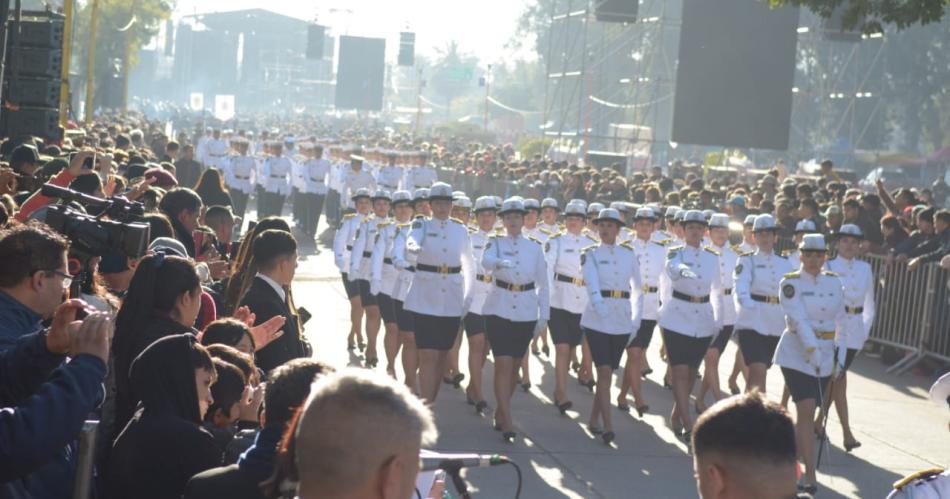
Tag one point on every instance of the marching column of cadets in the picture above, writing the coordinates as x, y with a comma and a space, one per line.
681, 276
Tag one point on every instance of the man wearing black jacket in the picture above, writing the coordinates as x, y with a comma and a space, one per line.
275, 255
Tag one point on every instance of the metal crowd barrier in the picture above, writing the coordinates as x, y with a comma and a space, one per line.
912, 312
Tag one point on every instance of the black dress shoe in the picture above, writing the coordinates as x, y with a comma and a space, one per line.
608, 437
509, 436
642, 409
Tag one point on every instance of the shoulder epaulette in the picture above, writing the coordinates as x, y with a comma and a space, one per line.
380, 225
792, 275
562, 227
532, 238
747, 253
661, 243
588, 248
544, 231
554, 236
828, 272
456, 220
676, 248
707, 248
903, 482
735, 247
403, 226
472, 230
349, 216
626, 244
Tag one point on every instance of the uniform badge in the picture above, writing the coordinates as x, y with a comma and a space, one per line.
417, 224
788, 290
583, 258
738, 269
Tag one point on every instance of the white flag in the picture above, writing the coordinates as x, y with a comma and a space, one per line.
197, 101
224, 107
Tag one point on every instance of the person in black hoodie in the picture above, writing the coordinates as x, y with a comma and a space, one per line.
183, 208
164, 445
163, 299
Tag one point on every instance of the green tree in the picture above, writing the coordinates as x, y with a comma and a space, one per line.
452, 73
120, 22
872, 15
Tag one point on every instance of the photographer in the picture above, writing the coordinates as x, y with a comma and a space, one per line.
77, 167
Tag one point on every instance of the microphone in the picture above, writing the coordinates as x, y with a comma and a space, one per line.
449, 462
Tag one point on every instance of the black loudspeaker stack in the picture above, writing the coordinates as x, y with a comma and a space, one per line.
407, 49
616, 11
31, 80
315, 41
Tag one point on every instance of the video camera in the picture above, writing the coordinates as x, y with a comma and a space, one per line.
124, 232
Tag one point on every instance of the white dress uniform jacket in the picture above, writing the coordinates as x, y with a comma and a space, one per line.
363, 244
389, 177
355, 180
857, 280
315, 173
239, 174
527, 256
275, 175
404, 261
814, 312
484, 281
652, 257
441, 243
420, 176
692, 318
563, 253
343, 240
612, 268
217, 151
759, 274
727, 266
381, 264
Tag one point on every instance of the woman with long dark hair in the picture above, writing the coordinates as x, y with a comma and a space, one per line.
212, 190
164, 445
163, 299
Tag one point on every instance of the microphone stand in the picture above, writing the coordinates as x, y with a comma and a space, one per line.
454, 471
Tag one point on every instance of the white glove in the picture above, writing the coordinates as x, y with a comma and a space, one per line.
375, 286
539, 326
505, 264
351, 276
412, 247
688, 274
601, 308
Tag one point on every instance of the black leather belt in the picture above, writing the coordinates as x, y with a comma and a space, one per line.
278, 176
771, 300
606, 293
650, 289
854, 310
242, 178
438, 269
367, 254
388, 261
727, 291
568, 279
319, 181
690, 298
483, 277
349, 247
514, 287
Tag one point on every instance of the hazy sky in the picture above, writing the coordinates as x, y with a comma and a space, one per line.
482, 27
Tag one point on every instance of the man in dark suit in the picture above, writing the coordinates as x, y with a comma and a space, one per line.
275, 255
287, 390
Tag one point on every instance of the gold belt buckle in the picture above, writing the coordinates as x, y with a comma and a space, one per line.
517, 287
825, 335
577, 282
772, 300
443, 269
616, 294
695, 299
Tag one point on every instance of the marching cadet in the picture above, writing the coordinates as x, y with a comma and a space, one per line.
760, 320
719, 241
384, 274
802, 227
668, 221
361, 267
626, 233
593, 211
389, 177
935, 482
239, 176
531, 228
610, 319
298, 156
651, 256
688, 321
568, 294
406, 263
422, 175
462, 211
857, 280
316, 172
444, 269
342, 255
474, 320
549, 213
275, 183
420, 203
814, 306
585, 369
747, 246
356, 178
517, 307
216, 150
335, 186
